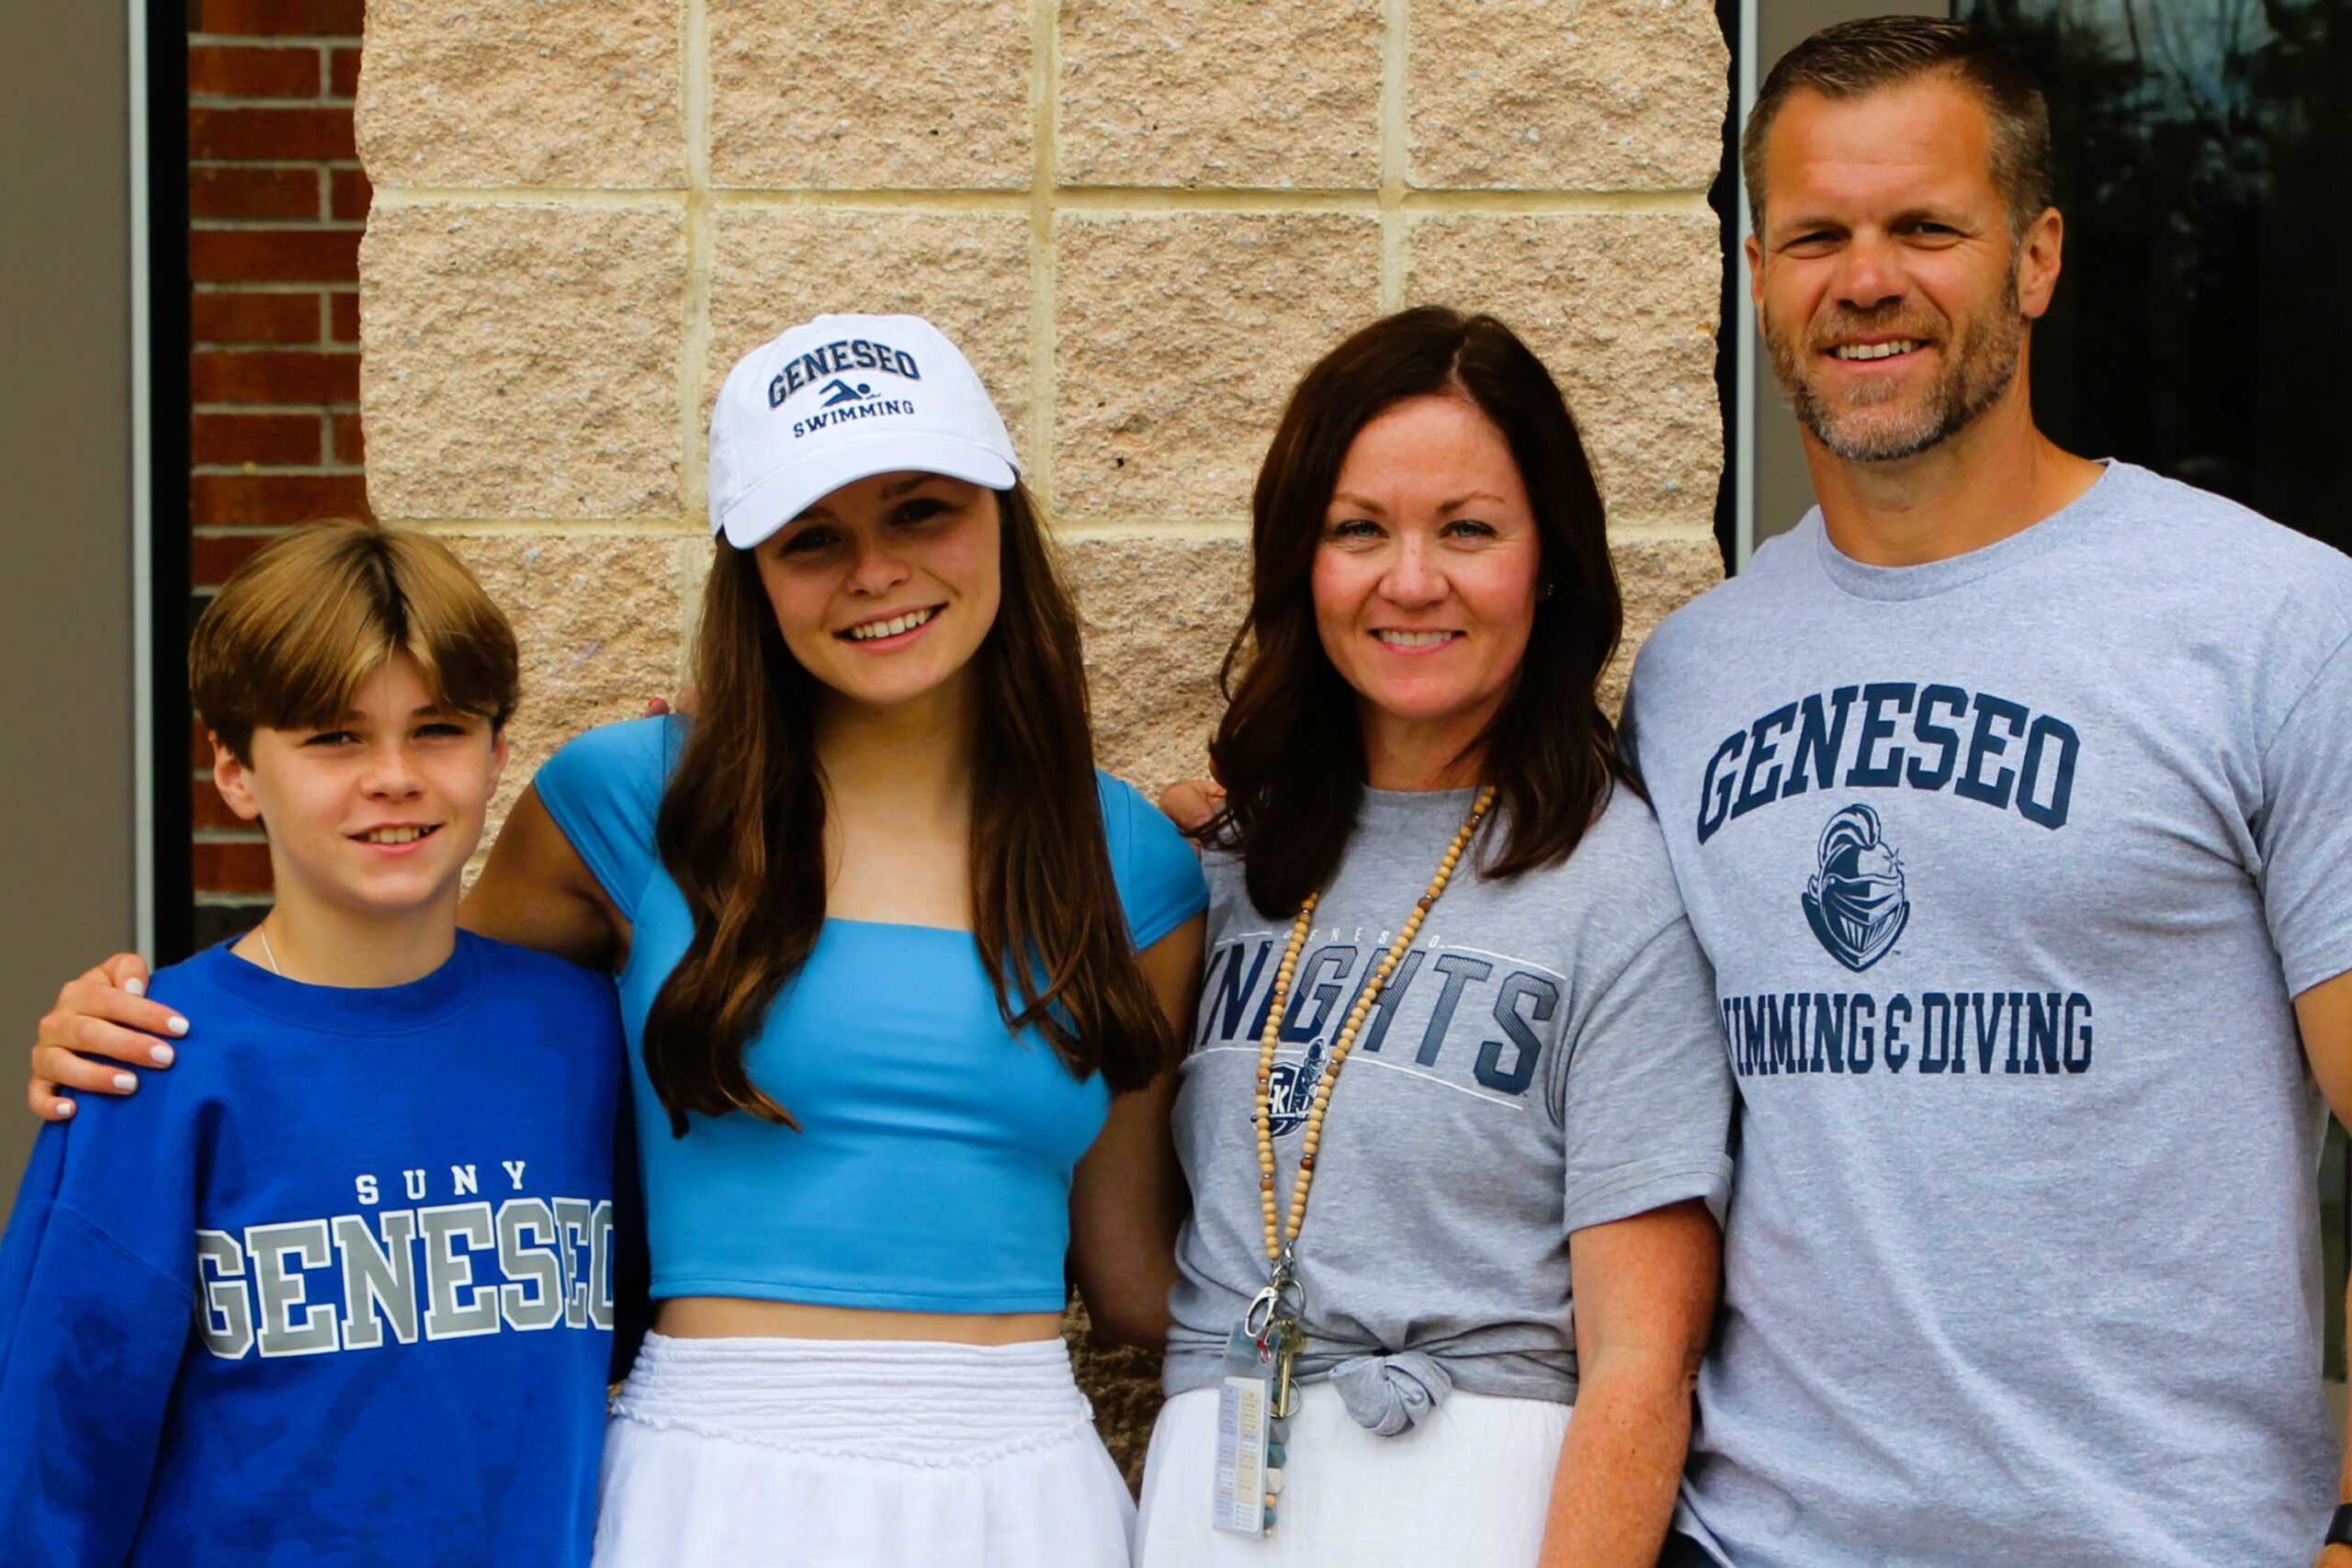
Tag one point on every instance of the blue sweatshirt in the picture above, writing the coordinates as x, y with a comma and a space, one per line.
338, 1288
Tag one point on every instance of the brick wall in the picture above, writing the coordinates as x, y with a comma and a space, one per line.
276, 204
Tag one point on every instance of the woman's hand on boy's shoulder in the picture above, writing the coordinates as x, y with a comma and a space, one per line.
102, 1020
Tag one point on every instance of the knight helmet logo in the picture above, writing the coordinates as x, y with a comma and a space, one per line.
1291, 1094
1856, 902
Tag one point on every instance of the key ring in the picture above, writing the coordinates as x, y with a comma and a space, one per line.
1283, 1297
1290, 1292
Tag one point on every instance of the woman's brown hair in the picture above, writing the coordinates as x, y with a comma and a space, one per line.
742, 833
1289, 751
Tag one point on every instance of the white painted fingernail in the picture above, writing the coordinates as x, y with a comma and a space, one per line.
135, 986
161, 1055
176, 1025
125, 1082
64, 1109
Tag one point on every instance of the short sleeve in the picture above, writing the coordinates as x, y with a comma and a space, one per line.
1156, 867
1629, 729
604, 789
2305, 831
1644, 1102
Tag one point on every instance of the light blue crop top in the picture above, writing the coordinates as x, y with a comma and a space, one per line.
932, 1169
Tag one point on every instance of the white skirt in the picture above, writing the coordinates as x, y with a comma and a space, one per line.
818, 1453
1470, 1485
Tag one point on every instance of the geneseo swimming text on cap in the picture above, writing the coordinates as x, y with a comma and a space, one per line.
840, 399
845, 402
833, 359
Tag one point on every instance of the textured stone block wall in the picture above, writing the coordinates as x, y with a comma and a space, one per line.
1142, 219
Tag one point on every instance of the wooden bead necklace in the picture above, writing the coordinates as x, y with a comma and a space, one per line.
1259, 1391
1281, 1238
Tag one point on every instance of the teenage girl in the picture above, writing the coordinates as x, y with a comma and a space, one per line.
902, 976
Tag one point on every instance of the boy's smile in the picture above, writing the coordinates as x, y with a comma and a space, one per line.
370, 818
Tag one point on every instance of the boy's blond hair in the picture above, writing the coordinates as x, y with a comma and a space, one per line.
299, 628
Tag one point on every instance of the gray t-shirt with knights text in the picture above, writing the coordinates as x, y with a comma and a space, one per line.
1545, 1057
2009, 867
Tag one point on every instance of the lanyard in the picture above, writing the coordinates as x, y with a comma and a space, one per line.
1270, 1330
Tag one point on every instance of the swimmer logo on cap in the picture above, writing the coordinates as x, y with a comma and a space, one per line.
842, 399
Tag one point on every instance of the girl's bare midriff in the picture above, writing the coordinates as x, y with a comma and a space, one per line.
734, 1317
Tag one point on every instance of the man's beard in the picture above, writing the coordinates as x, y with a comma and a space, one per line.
1977, 369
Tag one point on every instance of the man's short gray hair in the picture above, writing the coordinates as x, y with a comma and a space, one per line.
1855, 59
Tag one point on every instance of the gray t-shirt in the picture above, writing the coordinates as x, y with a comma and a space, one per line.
2009, 867
1545, 1057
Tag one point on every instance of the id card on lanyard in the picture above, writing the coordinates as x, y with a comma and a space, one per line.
1252, 1405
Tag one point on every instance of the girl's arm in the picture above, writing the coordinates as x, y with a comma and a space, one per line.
1644, 1301
1128, 1196
535, 892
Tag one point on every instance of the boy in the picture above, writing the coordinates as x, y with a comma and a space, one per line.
341, 1287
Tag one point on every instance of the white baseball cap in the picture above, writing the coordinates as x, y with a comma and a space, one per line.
844, 397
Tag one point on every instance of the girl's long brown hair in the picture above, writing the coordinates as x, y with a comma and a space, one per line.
1289, 750
742, 833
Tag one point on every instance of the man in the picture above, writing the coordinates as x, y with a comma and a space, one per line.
2007, 797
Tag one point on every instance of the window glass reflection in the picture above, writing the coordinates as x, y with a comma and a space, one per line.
2203, 151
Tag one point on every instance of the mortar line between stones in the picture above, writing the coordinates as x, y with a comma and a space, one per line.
1116, 200
1396, 17
881, 198
1108, 207
534, 195
1512, 203
1044, 90
1086, 201
693, 349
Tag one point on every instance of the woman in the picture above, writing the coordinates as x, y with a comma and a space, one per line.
872, 914
1432, 874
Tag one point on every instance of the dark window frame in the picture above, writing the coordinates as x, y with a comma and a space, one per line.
170, 400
